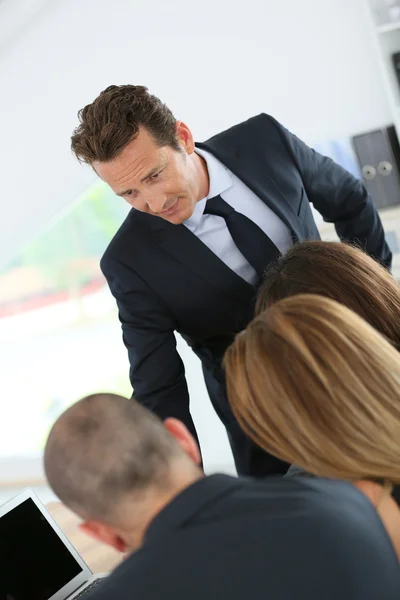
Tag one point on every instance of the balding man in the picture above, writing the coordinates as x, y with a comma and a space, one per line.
137, 484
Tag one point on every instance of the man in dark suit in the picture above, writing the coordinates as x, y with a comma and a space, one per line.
207, 220
136, 483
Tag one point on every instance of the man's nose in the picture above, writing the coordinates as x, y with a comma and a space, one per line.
157, 203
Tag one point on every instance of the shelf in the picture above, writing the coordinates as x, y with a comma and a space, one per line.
393, 26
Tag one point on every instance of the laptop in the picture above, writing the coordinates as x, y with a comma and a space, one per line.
37, 561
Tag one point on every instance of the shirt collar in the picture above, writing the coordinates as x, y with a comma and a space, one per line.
190, 502
220, 181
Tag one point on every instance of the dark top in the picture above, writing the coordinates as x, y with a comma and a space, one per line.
165, 279
278, 539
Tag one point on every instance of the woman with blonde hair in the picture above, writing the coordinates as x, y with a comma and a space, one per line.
312, 383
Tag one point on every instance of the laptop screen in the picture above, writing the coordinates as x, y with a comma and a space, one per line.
34, 562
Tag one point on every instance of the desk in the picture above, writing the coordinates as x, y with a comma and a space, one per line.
97, 556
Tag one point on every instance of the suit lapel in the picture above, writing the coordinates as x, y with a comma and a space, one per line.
253, 173
187, 249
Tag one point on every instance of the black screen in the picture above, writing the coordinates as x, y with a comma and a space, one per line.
34, 563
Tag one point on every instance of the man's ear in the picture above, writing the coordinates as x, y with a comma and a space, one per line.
104, 534
184, 438
185, 137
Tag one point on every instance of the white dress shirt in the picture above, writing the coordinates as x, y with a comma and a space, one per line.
213, 231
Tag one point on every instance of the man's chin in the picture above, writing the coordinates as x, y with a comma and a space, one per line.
177, 218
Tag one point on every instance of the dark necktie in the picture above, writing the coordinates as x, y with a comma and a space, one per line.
252, 242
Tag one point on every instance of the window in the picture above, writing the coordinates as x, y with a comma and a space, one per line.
58, 323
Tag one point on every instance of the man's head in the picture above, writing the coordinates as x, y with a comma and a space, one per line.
117, 465
134, 143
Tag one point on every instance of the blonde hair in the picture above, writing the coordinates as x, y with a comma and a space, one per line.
314, 384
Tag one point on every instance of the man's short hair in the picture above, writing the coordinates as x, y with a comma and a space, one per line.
103, 447
114, 119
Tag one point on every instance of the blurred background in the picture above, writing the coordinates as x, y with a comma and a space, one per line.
327, 69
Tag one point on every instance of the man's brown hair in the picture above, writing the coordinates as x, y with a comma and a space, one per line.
113, 120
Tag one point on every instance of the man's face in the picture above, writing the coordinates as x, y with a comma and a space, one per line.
158, 180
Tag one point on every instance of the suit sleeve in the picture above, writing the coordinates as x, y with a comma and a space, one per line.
339, 197
157, 373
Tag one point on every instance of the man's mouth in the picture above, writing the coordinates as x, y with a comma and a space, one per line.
171, 209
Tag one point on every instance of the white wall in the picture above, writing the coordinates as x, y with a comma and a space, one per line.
310, 63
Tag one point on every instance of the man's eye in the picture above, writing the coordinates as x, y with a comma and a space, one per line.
128, 193
155, 176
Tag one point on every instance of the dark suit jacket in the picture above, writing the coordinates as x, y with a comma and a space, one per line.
277, 539
165, 279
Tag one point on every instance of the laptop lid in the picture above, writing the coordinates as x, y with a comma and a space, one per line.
37, 561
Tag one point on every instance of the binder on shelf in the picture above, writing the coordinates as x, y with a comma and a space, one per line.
378, 154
